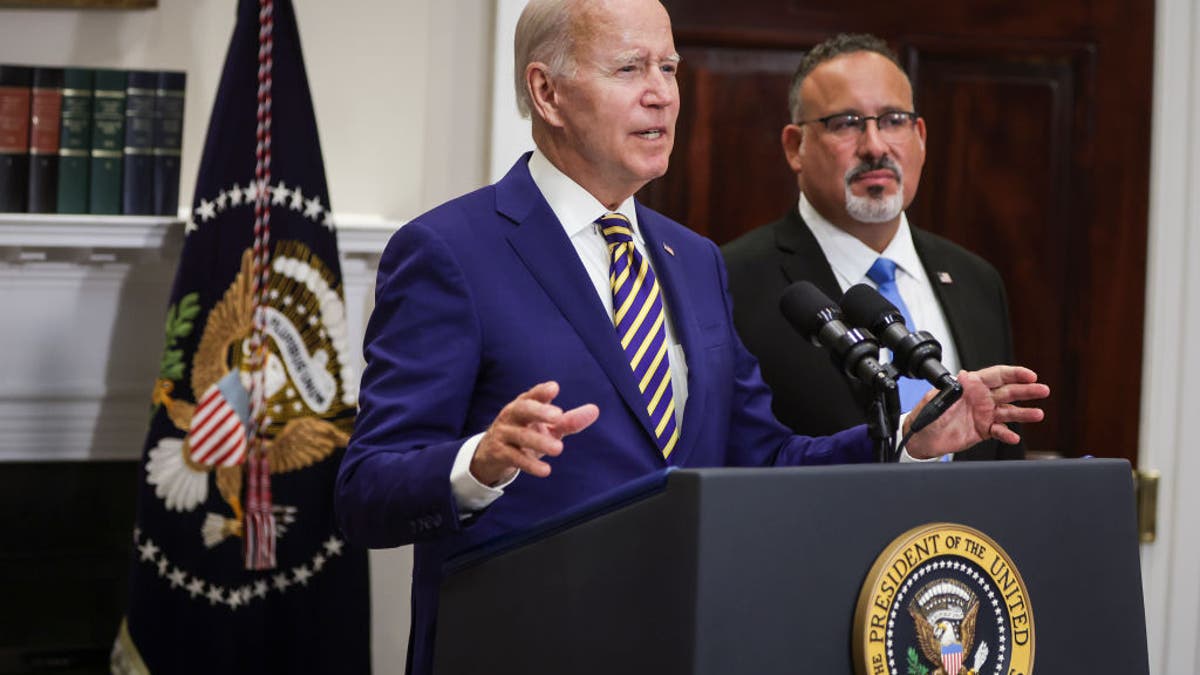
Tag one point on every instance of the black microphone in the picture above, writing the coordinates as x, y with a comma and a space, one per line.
818, 319
916, 354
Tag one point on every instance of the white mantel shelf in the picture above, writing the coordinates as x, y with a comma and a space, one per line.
85, 298
33, 233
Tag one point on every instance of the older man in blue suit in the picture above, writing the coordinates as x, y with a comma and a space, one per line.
553, 305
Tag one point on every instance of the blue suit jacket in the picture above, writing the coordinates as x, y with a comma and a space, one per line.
484, 297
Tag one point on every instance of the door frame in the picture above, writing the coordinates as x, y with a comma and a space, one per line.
1169, 364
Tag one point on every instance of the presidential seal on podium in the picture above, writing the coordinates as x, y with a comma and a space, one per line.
943, 599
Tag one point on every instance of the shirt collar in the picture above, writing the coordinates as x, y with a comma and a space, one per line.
849, 257
575, 208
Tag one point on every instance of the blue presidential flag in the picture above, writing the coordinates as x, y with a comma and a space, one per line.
237, 565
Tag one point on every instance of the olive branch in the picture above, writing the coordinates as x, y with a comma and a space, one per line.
915, 667
179, 325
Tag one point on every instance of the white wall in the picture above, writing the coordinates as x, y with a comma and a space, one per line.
510, 132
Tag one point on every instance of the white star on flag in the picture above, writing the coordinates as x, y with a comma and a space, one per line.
206, 210
302, 575
333, 546
279, 193
149, 550
216, 595
312, 207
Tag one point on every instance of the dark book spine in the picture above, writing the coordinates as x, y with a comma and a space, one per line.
108, 142
137, 186
75, 141
45, 122
168, 141
15, 94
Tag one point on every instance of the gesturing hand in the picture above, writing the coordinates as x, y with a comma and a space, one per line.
527, 429
982, 412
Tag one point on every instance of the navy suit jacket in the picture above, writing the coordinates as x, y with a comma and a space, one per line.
484, 297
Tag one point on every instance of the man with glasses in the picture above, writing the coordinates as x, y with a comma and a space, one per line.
857, 147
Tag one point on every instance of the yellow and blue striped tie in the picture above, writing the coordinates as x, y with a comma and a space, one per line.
640, 323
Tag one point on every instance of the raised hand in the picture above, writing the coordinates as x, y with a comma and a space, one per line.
986, 406
527, 429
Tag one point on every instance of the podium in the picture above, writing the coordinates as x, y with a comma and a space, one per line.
729, 571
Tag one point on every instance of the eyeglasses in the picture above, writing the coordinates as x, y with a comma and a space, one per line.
894, 125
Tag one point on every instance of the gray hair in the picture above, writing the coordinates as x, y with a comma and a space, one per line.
544, 33
829, 50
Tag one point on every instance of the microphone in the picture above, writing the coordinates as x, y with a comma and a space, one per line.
819, 320
916, 354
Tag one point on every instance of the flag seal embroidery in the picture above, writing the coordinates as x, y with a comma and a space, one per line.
235, 539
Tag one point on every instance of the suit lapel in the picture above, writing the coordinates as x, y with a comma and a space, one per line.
669, 268
802, 255
546, 251
952, 297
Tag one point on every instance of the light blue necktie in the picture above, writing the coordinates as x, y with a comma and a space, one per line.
640, 323
883, 273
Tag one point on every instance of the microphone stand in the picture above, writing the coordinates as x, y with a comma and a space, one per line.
883, 413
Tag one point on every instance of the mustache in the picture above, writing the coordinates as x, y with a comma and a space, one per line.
883, 162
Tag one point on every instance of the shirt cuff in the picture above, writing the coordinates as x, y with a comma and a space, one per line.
469, 494
906, 458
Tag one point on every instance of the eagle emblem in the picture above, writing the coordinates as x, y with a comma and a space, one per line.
944, 612
943, 599
307, 378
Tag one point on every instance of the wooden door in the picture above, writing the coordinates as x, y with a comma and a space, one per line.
1038, 159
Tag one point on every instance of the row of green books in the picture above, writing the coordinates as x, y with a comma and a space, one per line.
89, 140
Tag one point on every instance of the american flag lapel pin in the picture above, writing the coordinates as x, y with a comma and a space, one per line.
668, 249
944, 277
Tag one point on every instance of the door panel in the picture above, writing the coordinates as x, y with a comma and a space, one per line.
1000, 172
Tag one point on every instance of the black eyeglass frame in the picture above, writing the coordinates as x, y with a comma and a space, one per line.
910, 115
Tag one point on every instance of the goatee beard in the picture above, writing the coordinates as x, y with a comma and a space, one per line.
875, 208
